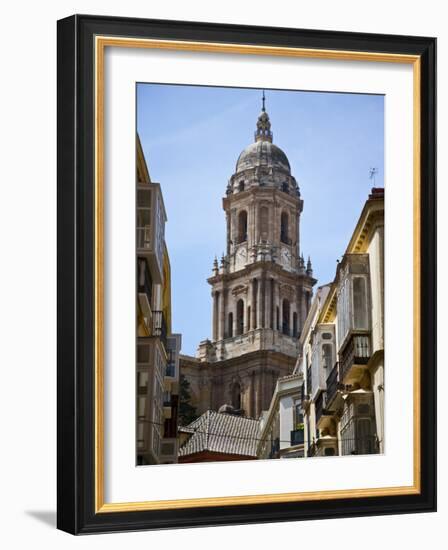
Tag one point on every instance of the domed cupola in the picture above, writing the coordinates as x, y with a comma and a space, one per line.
262, 163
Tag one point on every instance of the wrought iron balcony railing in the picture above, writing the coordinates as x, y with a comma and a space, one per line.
356, 352
366, 445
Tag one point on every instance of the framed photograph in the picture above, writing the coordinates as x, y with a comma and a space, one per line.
246, 274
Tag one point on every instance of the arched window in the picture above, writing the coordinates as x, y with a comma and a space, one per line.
359, 303
327, 356
240, 317
284, 233
242, 226
248, 317
285, 187
236, 396
285, 323
294, 324
241, 186
264, 222
230, 325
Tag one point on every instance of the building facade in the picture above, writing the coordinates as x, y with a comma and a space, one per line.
157, 349
333, 404
281, 427
261, 288
342, 350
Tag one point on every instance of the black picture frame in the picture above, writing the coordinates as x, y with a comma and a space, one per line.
76, 301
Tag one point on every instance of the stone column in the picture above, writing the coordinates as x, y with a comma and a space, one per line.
246, 320
233, 229
252, 395
222, 315
275, 304
259, 395
256, 224
291, 310
254, 303
268, 293
251, 236
260, 301
215, 315
280, 320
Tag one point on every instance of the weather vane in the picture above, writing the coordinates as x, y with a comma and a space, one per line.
372, 173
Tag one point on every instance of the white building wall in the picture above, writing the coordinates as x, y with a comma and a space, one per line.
286, 420
375, 251
378, 398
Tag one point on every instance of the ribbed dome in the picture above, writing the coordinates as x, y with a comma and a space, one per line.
263, 153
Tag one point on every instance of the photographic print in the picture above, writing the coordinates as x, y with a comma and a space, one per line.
259, 274
227, 279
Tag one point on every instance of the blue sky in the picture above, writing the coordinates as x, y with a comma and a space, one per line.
192, 136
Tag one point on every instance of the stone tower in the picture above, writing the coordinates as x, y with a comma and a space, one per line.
261, 288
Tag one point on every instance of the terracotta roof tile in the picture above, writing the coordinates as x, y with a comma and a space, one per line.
221, 433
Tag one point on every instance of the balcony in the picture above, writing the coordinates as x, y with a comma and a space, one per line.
354, 356
170, 370
167, 407
159, 327
324, 417
149, 245
332, 384
145, 285
297, 437
367, 445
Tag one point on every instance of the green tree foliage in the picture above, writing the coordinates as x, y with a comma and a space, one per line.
187, 413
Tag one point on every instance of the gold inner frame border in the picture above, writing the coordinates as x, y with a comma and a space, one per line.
101, 42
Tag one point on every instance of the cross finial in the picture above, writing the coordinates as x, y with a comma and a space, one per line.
263, 99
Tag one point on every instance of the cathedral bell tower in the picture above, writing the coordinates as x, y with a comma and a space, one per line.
261, 287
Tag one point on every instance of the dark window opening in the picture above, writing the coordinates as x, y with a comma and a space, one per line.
230, 326
284, 232
242, 227
236, 396
240, 317
286, 311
